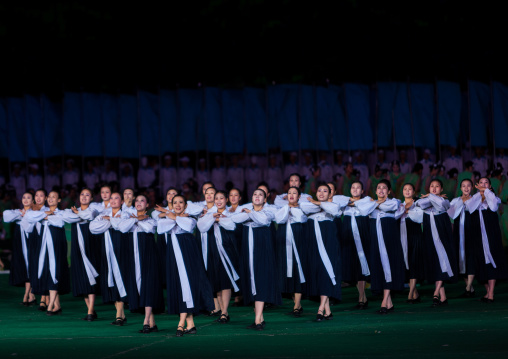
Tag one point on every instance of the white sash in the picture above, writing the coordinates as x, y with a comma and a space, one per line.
113, 268
485, 242
228, 266
322, 252
441, 252
47, 245
90, 270
359, 246
403, 238
385, 262
290, 248
182, 272
137, 265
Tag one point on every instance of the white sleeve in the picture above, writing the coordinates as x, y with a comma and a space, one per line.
282, 215
206, 222
309, 207
227, 223
147, 225
115, 222
330, 208
34, 216
390, 205
194, 209
280, 201
155, 215
186, 223
341, 201
456, 208
88, 214
11, 215
366, 206
164, 225
439, 203
240, 217
492, 200
69, 216
99, 225
125, 224
56, 220
298, 215
416, 214
262, 217
400, 211
424, 203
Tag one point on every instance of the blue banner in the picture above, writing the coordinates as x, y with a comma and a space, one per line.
129, 134
168, 115
422, 106
500, 103
34, 126
449, 108
90, 129
110, 117
72, 124
150, 136
17, 140
53, 128
283, 117
255, 120
357, 102
212, 126
4, 135
479, 105
190, 114
233, 117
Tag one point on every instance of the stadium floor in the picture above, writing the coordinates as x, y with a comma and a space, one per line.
465, 328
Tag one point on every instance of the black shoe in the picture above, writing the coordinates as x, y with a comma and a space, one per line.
444, 302
436, 302
154, 329
52, 313
320, 317
259, 327
252, 326
383, 310
89, 318
417, 300
179, 332
409, 301
215, 313
192, 330
119, 321
390, 310
43, 307
329, 316
486, 300
32, 303
468, 294
223, 319
362, 305
95, 315
145, 330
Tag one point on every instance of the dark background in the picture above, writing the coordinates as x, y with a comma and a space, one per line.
54, 46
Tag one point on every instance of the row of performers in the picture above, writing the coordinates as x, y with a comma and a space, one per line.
316, 245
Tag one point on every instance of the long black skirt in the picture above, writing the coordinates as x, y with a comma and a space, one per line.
351, 266
121, 250
201, 289
19, 274
149, 293
46, 283
35, 241
80, 282
265, 268
292, 284
161, 251
319, 281
415, 255
433, 270
391, 236
484, 271
468, 243
215, 270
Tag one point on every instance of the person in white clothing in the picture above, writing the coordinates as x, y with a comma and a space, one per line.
292, 166
273, 175
236, 174
219, 173
109, 175
18, 181
453, 161
70, 175
146, 174
184, 172
52, 178
168, 174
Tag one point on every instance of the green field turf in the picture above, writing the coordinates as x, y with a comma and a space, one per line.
466, 329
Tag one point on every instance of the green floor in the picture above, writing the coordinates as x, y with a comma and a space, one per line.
465, 328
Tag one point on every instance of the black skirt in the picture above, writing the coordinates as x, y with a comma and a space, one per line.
121, 250
391, 236
415, 256
215, 270
19, 274
433, 270
468, 243
292, 284
80, 283
62, 277
265, 268
150, 291
161, 251
35, 241
201, 289
351, 266
319, 281
484, 271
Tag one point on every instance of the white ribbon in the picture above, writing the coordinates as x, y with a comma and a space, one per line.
462, 244
290, 249
228, 266
485, 242
204, 248
113, 268
359, 246
137, 265
47, 245
322, 252
385, 262
182, 272
403, 238
90, 270
441, 252
166, 237
251, 261
24, 248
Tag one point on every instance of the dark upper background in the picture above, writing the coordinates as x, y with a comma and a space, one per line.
108, 47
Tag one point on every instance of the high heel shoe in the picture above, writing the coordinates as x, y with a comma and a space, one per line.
320, 317
416, 300
329, 316
43, 307
223, 319
192, 330
179, 332
145, 330
435, 301
383, 310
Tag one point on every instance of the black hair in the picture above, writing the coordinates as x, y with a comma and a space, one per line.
215, 189
395, 162
58, 193
172, 188
297, 189
263, 183
125, 189
314, 169
43, 191
466, 180
141, 195
357, 181
488, 179
453, 172
223, 192
235, 189
262, 190
30, 193
417, 167
207, 182
323, 184
108, 186
333, 184
181, 196
409, 184
468, 164
386, 182
88, 189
